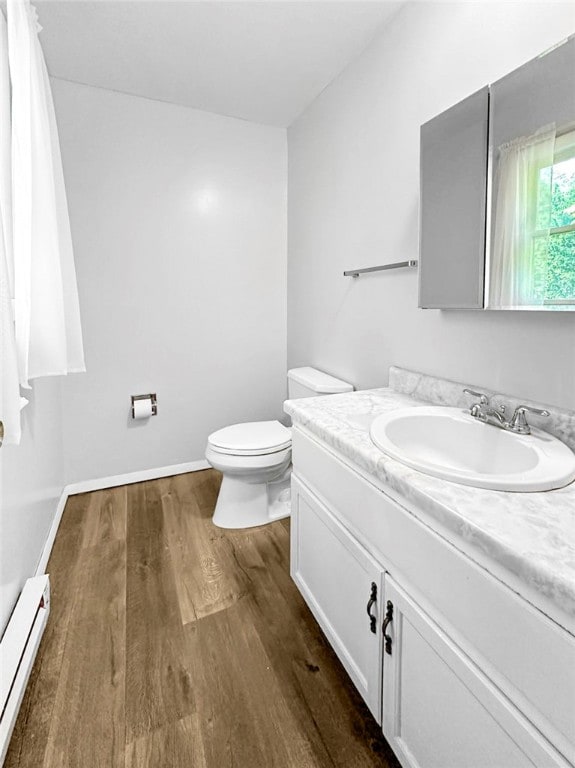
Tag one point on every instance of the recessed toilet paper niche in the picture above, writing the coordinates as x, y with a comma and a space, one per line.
144, 406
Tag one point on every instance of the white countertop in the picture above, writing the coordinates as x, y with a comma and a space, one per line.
530, 536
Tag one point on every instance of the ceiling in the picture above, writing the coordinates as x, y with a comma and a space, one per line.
260, 61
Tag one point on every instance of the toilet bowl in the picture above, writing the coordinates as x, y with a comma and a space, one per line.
255, 459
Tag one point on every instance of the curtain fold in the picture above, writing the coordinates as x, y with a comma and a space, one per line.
9, 389
48, 329
522, 220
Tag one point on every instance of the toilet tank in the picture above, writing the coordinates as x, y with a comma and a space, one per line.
309, 382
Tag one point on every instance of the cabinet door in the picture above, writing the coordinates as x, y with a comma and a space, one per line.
452, 205
439, 709
538, 94
338, 578
535, 95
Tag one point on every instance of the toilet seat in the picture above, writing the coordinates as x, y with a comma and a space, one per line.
247, 465
253, 438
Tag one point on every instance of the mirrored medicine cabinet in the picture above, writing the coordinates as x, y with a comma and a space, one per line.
497, 205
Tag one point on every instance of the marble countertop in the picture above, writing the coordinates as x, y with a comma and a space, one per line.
531, 536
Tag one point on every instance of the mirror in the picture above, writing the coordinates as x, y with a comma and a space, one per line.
531, 241
497, 195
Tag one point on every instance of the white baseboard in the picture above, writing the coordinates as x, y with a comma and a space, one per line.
110, 482
135, 477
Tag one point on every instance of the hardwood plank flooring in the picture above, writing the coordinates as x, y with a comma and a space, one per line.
207, 580
172, 643
105, 517
92, 674
182, 738
158, 684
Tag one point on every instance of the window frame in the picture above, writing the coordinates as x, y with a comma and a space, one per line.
564, 150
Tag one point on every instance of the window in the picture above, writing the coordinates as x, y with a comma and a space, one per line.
554, 238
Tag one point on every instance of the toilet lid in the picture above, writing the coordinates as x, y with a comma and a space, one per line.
253, 438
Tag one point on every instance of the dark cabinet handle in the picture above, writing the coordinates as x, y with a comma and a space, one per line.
386, 622
370, 603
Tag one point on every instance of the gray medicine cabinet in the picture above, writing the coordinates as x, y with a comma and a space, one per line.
458, 174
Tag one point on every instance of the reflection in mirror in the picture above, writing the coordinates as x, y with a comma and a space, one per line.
533, 259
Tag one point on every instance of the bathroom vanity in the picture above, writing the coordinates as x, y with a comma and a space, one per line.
451, 608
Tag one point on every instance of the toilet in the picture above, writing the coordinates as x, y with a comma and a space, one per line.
255, 459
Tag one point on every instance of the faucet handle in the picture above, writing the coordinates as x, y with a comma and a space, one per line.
518, 421
483, 399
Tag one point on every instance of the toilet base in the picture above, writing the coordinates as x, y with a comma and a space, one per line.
246, 505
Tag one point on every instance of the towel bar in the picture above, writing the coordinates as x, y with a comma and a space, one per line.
397, 265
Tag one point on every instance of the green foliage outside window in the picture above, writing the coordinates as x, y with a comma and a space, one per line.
561, 257
555, 264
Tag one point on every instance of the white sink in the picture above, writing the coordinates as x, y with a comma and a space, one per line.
451, 444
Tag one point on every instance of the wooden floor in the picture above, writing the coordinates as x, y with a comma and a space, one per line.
173, 643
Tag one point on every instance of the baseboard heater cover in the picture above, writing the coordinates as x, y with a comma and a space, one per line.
18, 649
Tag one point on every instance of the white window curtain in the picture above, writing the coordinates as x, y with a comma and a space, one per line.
9, 390
522, 218
48, 336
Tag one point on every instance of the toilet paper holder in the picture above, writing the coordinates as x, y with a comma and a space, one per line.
152, 397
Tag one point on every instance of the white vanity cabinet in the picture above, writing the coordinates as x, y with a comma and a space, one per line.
472, 676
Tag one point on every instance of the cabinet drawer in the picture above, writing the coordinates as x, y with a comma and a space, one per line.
337, 578
530, 657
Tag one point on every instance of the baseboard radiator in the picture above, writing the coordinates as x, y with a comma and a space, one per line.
18, 649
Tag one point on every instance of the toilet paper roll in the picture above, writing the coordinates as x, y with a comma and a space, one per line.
143, 408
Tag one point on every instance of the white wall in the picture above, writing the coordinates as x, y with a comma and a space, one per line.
353, 202
179, 227
31, 481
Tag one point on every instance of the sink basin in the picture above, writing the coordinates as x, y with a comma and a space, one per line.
450, 444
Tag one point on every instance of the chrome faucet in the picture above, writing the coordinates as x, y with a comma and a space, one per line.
518, 423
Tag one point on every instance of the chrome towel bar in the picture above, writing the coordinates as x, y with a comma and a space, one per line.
397, 265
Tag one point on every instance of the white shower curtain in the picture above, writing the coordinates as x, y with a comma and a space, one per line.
9, 390
48, 331
522, 216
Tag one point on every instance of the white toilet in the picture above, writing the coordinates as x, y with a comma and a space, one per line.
255, 459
